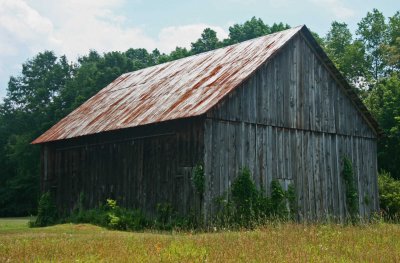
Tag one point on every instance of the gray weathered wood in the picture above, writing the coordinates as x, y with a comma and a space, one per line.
291, 120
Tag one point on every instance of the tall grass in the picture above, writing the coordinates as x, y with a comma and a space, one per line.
286, 242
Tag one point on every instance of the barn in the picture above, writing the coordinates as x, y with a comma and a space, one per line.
275, 104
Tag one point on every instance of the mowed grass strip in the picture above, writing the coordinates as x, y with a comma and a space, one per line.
276, 243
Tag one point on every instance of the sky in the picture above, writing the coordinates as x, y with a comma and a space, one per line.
73, 27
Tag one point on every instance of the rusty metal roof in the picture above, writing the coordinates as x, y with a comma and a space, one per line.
182, 88
179, 89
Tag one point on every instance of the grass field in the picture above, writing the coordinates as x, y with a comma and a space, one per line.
278, 243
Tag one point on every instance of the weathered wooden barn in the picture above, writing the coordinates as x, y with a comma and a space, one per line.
275, 104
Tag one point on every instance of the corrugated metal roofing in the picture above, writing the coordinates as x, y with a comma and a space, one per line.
179, 89
183, 88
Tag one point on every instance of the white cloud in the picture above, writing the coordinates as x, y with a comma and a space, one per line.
98, 27
22, 25
6, 47
336, 7
81, 25
17, 17
73, 27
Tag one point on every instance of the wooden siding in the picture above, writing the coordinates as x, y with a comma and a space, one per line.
293, 122
294, 90
138, 167
312, 161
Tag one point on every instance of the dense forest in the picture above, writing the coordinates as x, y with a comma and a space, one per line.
49, 87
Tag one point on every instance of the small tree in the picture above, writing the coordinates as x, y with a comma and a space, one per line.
245, 197
47, 211
351, 189
389, 194
278, 200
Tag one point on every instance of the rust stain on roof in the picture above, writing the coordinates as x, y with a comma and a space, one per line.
182, 88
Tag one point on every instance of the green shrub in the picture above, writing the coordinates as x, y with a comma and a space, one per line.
245, 197
164, 216
278, 200
389, 195
249, 206
263, 209
47, 212
246, 207
125, 219
198, 179
110, 216
225, 212
95, 216
351, 189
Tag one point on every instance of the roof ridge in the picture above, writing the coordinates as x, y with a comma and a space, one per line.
170, 90
299, 27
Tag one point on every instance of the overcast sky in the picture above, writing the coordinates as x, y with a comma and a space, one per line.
73, 27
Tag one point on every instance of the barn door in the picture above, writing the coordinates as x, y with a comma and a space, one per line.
159, 167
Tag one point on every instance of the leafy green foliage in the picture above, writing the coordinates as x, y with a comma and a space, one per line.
389, 194
164, 214
373, 30
110, 216
278, 198
122, 218
320, 40
249, 206
391, 51
179, 53
251, 29
384, 103
47, 212
337, 39
372, 55
347, 54
198, 179
27, 111
351, 189
245, 197
208, 41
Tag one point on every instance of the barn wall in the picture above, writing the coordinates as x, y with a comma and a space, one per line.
292, 121
294, 90
139, 167
312, 161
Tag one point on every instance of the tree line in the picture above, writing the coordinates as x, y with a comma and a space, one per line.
50, 86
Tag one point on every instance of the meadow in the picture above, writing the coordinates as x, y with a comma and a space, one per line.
285, 242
